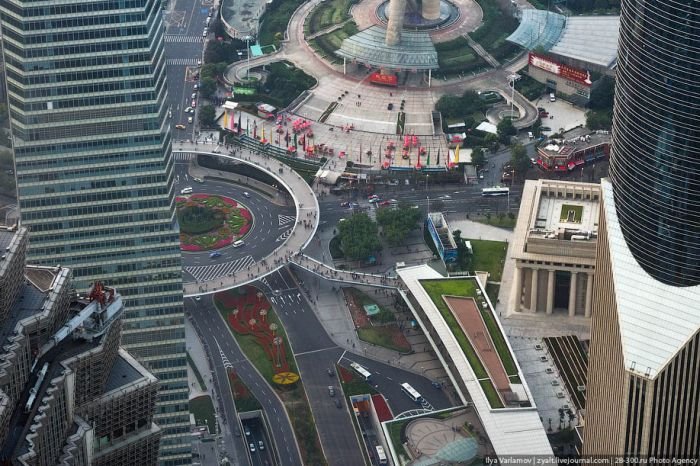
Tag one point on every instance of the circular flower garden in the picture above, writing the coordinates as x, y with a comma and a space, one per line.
210, 222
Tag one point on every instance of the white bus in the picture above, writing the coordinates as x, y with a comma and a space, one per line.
381, 456
411, 392
361, 370
495, 191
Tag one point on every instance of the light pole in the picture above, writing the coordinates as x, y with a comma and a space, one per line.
511, 79
247, 45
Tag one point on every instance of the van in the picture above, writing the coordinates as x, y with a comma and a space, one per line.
187, 190
238, 244
530, 135
552, 97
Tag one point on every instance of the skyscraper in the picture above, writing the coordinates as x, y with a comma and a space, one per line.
644, 365
86, 90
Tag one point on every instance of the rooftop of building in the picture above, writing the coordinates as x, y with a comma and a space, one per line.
568, 147
475, 342
557, 219
656, 320
6, 236
415, 51
126, 371
589, 39
41, 277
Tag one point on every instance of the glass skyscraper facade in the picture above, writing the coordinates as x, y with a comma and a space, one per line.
86, 91
655, 163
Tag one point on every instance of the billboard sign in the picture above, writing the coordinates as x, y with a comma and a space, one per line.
576, 75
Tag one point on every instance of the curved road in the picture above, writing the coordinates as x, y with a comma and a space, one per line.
272, 224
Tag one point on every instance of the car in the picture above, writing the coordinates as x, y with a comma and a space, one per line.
331, 390
196, 87
261, 445
390, 107
194, 95
338, 404
345, 204
197, 298
552, 97
194, 104
246, 194
198, 180
354, 205
199, 62
372, 196
238, 244
190, 119
180, 127
186, 190
247, 431
330, 371
530, 135
214, 254
188, 109
375, 200
192, 111
204, 34
389, 202
170, 113
252, 447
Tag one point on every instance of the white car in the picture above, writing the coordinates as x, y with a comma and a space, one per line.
204, 34
190, 119
186, 190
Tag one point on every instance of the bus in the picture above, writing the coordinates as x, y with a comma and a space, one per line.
361, 370
495, 191
411, 392
381, 456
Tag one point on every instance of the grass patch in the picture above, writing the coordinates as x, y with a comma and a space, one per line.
456, 56
488, 256
203, 410
334, 247
501, 221
437, 288
198, 376
528, 87
497, 25
492, 291
380, 336
356, 385
327, 44
491, 393
577, 213
327, 14
500, 342
384, 316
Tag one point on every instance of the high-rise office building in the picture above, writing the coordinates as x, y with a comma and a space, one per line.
86, 90
644, 365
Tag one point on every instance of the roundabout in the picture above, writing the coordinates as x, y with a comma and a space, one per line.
275, 231
210, 222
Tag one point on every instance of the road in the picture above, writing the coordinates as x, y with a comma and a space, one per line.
272, 224
215, 334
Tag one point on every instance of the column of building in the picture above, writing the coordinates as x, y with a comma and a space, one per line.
550, 291
572, 294
533, 290
518, 291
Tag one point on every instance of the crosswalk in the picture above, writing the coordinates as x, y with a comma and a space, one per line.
181, 62
184, 156
285, 219
284, 235
205, 273
172, 38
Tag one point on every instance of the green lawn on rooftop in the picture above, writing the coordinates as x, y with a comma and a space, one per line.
576, 209
488, 256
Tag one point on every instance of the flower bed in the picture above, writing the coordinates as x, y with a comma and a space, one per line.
232, 221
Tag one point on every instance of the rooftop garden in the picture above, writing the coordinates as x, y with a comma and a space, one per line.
571, 213
467, 287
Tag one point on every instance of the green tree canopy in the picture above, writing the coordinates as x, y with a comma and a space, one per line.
453, 106
397, 223
519, 159
478, 157
207, 87
359, 237
207, 116
505, 130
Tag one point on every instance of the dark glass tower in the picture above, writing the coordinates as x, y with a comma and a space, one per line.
86, 90
655, 162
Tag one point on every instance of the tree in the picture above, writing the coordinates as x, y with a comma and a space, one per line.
207, 116
478, 157
491, 141
599, 119
397, 223
519, 159
359, 237
505, 130
207, 87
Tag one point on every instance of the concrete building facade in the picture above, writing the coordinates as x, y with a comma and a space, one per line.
86, 86
69, 395
554, 248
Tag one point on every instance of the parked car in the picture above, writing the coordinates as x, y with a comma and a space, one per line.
331, 390
190, 119
180, 126
194, 95
194, 103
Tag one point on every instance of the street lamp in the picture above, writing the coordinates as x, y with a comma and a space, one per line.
247, 46
512, 78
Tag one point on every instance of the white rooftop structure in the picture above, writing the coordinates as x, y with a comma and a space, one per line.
590, 39
656, 320
487, 127
511, 431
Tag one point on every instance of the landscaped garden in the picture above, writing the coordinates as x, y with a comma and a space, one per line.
203, 411
488, 256
571, 213
467, 287
262, 338
326, 44
242, 396
210, 222
327, 14
375, 324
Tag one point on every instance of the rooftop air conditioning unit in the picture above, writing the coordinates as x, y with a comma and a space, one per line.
560, 394
478, 292
555, 383
566, 407
549, 370
543, 358
538, 347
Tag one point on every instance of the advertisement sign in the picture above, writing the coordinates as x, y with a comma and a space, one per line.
579, 76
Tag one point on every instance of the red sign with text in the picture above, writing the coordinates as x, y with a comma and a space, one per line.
565, 71
384, 79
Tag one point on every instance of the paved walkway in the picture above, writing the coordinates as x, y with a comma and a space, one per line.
329, 273
306, 208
